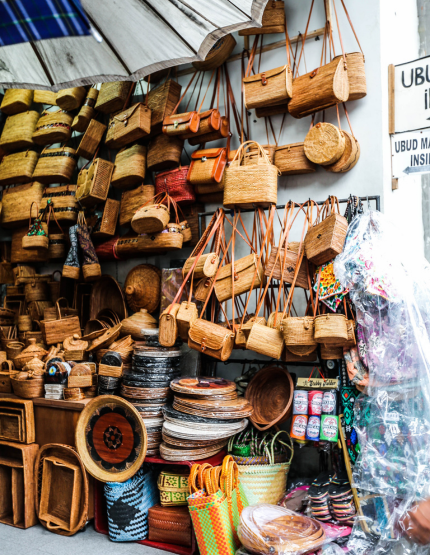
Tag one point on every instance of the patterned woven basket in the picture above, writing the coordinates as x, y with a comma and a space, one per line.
18, 131
265, 483
174, 182
53, 127
55, 165
64, 202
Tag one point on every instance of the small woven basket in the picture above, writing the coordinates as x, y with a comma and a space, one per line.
331, 329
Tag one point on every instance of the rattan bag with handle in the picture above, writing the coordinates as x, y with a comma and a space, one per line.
18, 167
16, 101
63, 199
112, 96
18, 131
37, 235
130, 167
96, 185
91, 139
132, 200
249, 185
273, 20
164, 152
53, 127
87, 112
55, 165
174, 182
177, 125
56, 331
153, 216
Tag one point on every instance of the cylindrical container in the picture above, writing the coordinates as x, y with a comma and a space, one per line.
300, 404
315, 403
329, 428
298, 427
329, 403
313, 428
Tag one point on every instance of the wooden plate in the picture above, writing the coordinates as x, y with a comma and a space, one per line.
214, 386
170, 454
109, 336
226, 397
111, 439
238, 404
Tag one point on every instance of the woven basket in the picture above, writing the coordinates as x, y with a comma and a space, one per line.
16, 101
186, 231
325, 240
270, 393
112, 96
128, 126
58, 245
331, 329
298, 335
248, 185
288, 356
53, 127
131, 201
290, 259
18, 202
266, 341
91, 139
291, 160
25, 256
217, 55
174, 182
36, 241
170, 238
356, 75
71, 99
24, 323
185, 318
349, 158
162, 101
151, 218
324, 144
273, 20
36, 291
28, 389
45, 97
168, 331
87, 112
271, 87
130, 167
331, 352
13, 349
206, 267
18, 167
96, 186
211, 339
264, 483
106, 225
142, 289
18, 131
64, 202
55, 165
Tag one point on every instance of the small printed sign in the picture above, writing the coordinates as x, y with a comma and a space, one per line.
412, 95
318, 383
410, 153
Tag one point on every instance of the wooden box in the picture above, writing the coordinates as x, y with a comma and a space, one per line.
17, 420
80, 381
17, 484
112, 371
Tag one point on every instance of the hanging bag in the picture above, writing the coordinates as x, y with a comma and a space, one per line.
90, 266
18, 131
53, 127
55, 165
94, 186
153, 216
64, 203
164, 152
130, 167
37, 235
91, 139
273, 20
351, 153
132, 200
16, 101
161, 101
177, 125
87, 112
112, 96
174, 183
18, 167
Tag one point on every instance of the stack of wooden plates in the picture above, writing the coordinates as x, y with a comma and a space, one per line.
153, 427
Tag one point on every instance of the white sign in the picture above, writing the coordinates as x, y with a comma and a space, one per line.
410, 153
412, 95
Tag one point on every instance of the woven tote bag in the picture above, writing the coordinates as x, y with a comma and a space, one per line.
18, 167
265, 483
128, 504
174, 182
248, 185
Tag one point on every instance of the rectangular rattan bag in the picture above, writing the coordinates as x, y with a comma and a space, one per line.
18, 167
130, 167
244, 271
112, 96
207, 166
17, 201
96, 185
55, 165
91, 139
162, 101
64, 202
129, 126
273, 20
16, 101
18, 131
53, 127
132, 200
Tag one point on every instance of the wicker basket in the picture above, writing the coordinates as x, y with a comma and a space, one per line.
45, 97
287, 261
36, 241
151, 218
128, 126
176, 184
299, 335
349, 158
266, 341
64, 202
132, 200
28, 389
53, 127
87, 112
96, 187
112, 96
112, 371
356, 75
169, 239
58, 245
16, 101
248, 275
13, 349
25, 323
206, 267
324, 144
130, 167
273, 20
164, 152
18, 167
331, 329
162, 101
18, 131
25, 256
271, 87
55, 165
265, 483
36, 291
248, 185
71, 99
217, 55
291, 160
185, 318
106, 225
331, 352
91, 139
168, 333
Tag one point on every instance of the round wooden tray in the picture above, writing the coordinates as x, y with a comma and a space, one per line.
188, 443
145, 392
60, 454
111, 439
215, 386
170, 454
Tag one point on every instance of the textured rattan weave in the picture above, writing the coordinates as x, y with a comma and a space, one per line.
71, 99
87, 112
132, 200
130, 167
291, 160
55, 165
112, 96
107, 224
16, 101
164, 152
53, 127
96, 186
18, 131
91, 139
18, 167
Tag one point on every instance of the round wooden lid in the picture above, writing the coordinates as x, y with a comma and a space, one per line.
111, 439
191, 385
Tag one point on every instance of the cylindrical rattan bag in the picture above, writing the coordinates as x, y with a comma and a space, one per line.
16, 101
18, 131
248, 185
71, 99
331, 329
151, 218
53, 127
87, 112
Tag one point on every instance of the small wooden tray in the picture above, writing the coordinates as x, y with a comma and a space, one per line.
10, 426
25, 409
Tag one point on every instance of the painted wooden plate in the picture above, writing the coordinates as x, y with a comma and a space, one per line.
111, 439
202, 386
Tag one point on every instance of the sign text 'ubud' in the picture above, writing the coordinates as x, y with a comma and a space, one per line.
412, 95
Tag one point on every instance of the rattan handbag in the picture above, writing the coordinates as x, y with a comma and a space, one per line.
242, 273
324, 144
164, 152
325, 239
87, 112
154, 216
132, 200
106, 223
17, 201
207, 166
291, 160
63, 198
253, 184
18, 131
273, 20
130, 167
16, 101
71, 99
18, 167
162, 101
55, 165
112, 96
53, 127
91, 139
37, 234
175, 184
217, 55
96, 185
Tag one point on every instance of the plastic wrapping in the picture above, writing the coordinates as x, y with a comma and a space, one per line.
390, 288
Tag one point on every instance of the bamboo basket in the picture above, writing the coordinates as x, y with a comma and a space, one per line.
246, 274
291, 160
168, 333
349, 158
112, 96
13, 349
36, 291
206, 266
299, 335
258, 95
266, 341
53, 127
107, 224
356, 75
185, 318
55, 165
64, 202
56, 331
164, 152
273, 20
289, 268
151, 218
130, 167
25, 256
18, 167
28, 389
132, 200
91, 139
45, 97
331, 352
73, 394
162, 101
57, 246
248, 185
18, 131
128, 126
325, 240
217, 55
24, 323
16, 101
319, 89
97, 183
324, 144
331, 329
87, 112
211, 339
112, 371
71, 99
